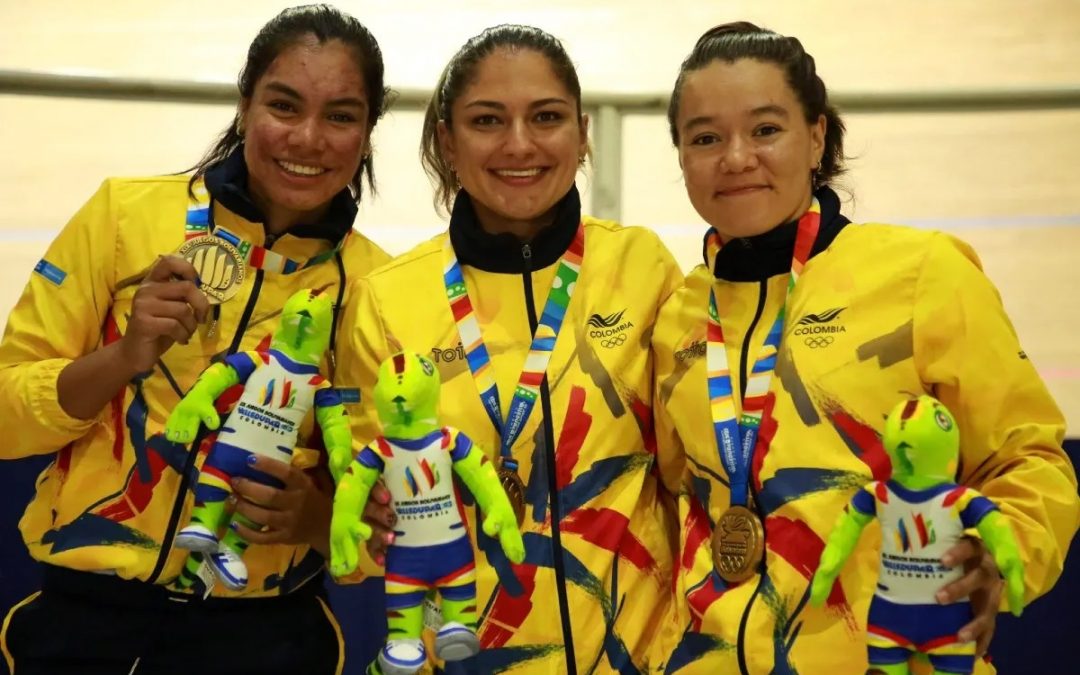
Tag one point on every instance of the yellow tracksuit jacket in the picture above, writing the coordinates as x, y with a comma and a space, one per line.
117, 491
883, 312
616, 530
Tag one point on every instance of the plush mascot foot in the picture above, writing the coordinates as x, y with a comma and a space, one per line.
196, 537
402, 657
229, 568
455, 642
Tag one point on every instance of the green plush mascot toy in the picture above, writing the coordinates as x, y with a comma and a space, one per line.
416, 456
280, 386
923, 513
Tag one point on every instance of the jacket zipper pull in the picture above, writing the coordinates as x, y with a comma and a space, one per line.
526, 253
215, 313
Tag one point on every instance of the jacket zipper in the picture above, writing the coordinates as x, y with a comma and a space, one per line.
189, 462
553, 484
743, 361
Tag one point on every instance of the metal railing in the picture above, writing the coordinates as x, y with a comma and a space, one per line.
607, 108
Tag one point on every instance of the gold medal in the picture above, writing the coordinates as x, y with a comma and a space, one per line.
738, 543
219, 265
513, 486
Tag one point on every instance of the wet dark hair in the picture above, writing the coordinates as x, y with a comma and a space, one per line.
460, 72
731, 42
291, 27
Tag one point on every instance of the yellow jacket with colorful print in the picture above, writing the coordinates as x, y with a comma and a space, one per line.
611, 547
880, 313
117, 489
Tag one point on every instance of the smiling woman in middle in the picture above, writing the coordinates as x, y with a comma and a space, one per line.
539, 320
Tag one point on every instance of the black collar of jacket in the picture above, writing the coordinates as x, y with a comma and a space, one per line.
227, 181
502, 252
766, 255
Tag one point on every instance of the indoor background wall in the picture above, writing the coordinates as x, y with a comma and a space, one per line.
1008, 182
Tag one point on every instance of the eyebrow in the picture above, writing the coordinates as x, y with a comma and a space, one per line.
282, 88
699, 121
501, 106
771, 109
704, 120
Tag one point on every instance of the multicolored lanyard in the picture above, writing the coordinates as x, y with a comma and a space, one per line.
735, 439
543, 342
197, 224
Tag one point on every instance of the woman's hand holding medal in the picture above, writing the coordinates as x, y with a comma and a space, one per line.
168, 308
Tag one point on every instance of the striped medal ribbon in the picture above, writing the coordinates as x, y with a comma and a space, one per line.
221, 257
536, 363
738, 539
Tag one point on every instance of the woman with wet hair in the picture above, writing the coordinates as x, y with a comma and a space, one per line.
779, 359
150, 282
538, 318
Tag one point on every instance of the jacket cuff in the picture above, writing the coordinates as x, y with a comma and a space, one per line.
44, 401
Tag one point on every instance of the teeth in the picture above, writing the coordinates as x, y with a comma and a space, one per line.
301, 169
523, 173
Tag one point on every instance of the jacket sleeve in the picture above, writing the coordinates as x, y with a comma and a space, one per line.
671, 461
1011, 430
58, 318
670, 450
670, 456
677, 619
365, 346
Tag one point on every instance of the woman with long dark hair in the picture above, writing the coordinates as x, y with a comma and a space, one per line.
153, 280
779, 360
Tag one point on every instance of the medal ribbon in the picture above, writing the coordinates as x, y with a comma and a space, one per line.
197, 224
735, 438
543, 342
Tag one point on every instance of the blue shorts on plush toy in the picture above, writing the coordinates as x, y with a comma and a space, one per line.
411, 570
895, 631
224, 463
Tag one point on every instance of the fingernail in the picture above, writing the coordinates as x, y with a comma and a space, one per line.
383, 497
389, 537
964, 635
380, 559
251, 459
947, 560
942, 597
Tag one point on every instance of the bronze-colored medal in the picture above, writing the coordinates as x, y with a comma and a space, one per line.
738, 543
513, 486
219, 265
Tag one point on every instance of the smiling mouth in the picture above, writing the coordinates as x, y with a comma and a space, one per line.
300, 169
518, 173
741, 190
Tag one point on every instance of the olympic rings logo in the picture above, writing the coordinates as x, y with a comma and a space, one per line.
616, 341
819, 341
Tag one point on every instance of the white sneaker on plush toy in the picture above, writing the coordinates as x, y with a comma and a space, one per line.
229, 568
402, 657
455, 642
196, 537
